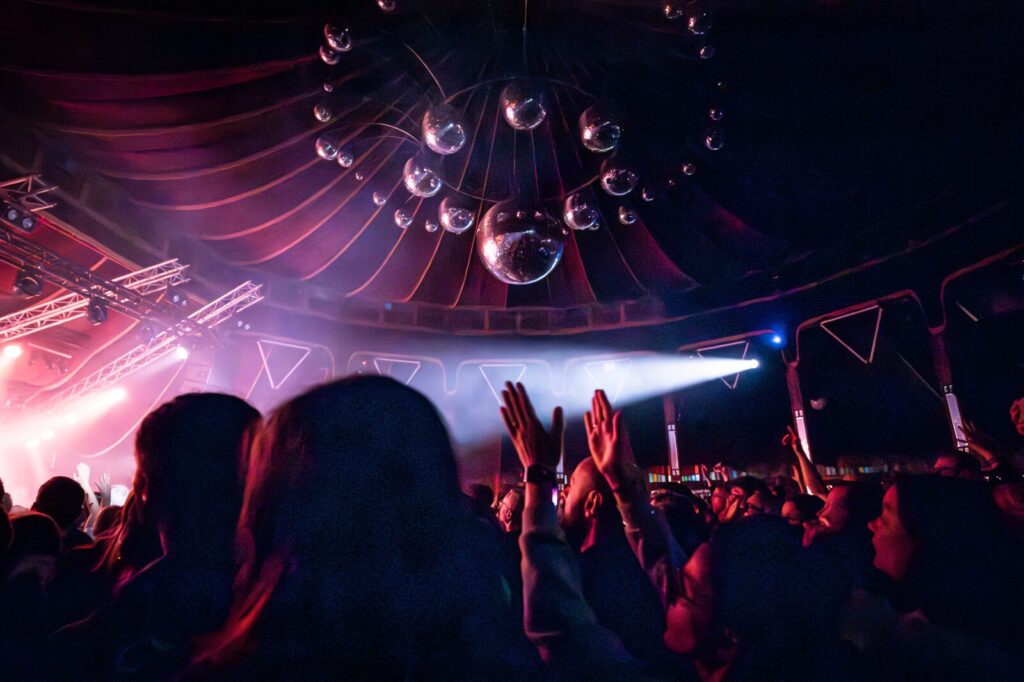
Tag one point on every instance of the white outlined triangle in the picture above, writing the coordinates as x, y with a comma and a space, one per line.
266, 348
499, 373
398, 369
874, 337
734, 380
610, 375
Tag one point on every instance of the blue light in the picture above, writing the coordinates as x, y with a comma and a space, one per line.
777, 339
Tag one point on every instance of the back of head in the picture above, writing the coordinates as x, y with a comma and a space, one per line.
782, 601
965, 567
35, 534
807, 505
190, 453
863, 502
749, 484
62, 499
957, 464
353, 489
106, 520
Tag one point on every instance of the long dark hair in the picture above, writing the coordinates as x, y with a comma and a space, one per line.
965, 572
358, 549
781, 601
188, 483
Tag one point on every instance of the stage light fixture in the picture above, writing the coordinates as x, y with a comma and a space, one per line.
181, 353
777, 339
28, 283
19, 219
97, 312
13, 351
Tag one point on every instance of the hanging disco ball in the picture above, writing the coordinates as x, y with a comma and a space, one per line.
422, 175
442, 131
580, 214
519, 242
338, 38
599, 131
454, 218
617, 179
523, 105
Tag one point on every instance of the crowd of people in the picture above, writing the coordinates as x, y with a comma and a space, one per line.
327, 542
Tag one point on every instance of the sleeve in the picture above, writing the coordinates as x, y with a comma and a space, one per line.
557, 619
652, 541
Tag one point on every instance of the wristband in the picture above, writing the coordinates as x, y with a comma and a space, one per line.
536, 473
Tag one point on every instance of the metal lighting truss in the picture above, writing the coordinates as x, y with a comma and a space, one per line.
21, 252
27, 193
163, 343
73, 306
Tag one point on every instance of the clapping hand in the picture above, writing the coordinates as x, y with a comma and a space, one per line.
103, 487
609, 442
532, 442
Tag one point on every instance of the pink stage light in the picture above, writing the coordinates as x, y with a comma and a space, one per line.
181, 353
13, 351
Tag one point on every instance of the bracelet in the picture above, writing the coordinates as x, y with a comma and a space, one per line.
535, 473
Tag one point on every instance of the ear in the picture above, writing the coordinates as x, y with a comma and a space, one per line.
592, 504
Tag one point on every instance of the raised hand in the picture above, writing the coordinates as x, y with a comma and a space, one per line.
103, 487
81, 474
609, 442
793, 440
532, 442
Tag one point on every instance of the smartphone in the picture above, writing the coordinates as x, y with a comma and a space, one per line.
118, 494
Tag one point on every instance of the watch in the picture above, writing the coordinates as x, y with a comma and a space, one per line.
535, 473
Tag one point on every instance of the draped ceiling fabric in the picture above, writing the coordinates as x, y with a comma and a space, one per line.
849, 133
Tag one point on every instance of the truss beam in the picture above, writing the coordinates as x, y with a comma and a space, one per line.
162, 344
72, 306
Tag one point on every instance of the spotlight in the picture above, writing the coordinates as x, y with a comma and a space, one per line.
15, 217
28, 283
179, 299
181, 353
97, 311
13, 351
118, 394
777, 339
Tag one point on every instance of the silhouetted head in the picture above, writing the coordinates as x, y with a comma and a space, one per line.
187, 492
958, 465
945, 541
62, 499
35, 534
753, 597
586, 500
106, 520
355, 538
802, 508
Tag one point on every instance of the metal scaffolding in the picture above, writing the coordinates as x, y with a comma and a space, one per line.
73, 306
27, 255
162, 344
27, 193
